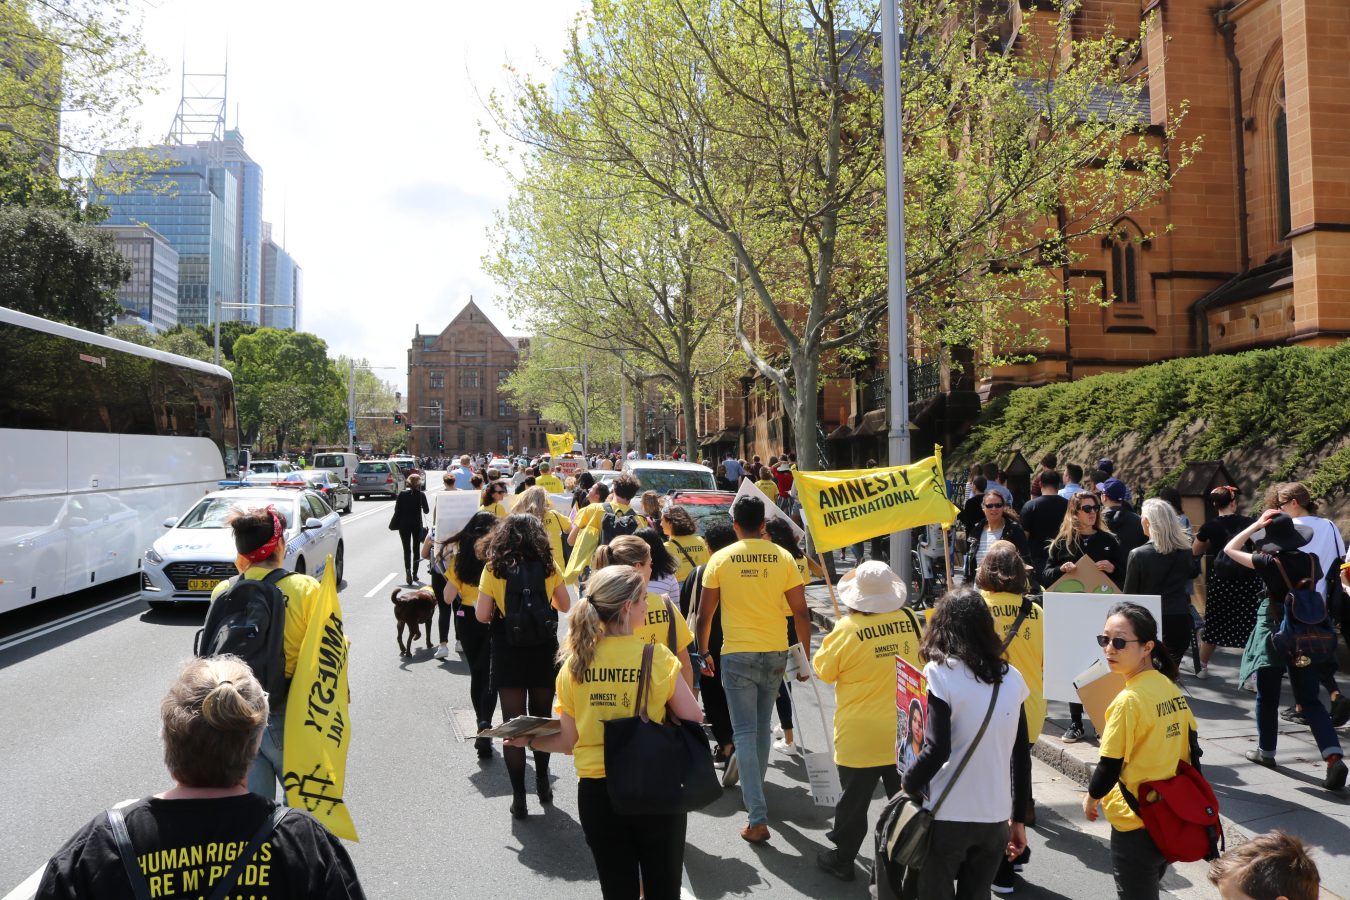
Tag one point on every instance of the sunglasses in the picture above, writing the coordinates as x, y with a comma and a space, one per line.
1118, 643
993, 506
499, 490
1088, 509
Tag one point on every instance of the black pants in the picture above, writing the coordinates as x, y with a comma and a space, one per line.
1177, 631
476, 638
445, 612
1076, 714
715, 707
850, 813
631, 851
1137, 865
962, 860
411, 539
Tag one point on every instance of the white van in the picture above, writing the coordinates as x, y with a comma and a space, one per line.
343, 465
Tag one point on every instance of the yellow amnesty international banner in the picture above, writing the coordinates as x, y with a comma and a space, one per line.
845, 507
559, 444
318, 729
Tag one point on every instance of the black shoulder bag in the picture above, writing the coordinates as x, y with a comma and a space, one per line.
656, 769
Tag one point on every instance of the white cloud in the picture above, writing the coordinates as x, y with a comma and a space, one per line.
365, 120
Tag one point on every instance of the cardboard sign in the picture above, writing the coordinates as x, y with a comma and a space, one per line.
568, 466
451, 511
1072, 623
911, 713
771, 510
1085, 579
1097, 687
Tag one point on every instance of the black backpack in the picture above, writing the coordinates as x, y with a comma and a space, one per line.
530, 620
615, 524
1305, 634
249, 621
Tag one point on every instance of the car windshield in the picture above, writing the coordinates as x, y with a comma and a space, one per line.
325, 460
663, 481
372, 468
320, 477
213, 511
705, 514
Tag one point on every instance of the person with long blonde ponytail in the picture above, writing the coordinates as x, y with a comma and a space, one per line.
601, 659
631, 550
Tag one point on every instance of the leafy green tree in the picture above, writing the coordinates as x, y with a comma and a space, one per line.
53, 267
185, 343
549, 379
770, 115
285, 380
375, 405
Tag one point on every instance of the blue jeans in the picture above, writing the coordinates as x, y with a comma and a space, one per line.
750, 681
266, 770
1305, 683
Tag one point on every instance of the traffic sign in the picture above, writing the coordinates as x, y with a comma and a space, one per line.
351, 426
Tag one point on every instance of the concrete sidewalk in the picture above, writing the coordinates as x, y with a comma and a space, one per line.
1253, 799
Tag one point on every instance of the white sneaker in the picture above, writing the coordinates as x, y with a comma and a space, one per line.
778, 731
1249, 685
1203, 674
786, 747
442, 652
459, 648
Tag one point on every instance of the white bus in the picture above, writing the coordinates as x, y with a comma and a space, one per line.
100, 442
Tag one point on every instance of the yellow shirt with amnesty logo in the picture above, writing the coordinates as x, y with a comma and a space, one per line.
858, 657
1148, 725
593, 516
490, 585
468, 593
302, 594
608, 691
1026, 653
550, 482
497, 509
753, 576
688, 551
656, 627
769, 487
556, 527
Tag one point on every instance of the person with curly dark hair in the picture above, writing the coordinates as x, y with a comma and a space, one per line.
460, 591
978, 820
518, 559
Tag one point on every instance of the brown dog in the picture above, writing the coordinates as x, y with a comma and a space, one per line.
413, 608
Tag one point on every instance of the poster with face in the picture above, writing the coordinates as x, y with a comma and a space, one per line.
911, 713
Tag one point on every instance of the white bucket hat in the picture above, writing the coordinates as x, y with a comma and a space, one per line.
872, 588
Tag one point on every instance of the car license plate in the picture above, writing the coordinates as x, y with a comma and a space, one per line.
202, 584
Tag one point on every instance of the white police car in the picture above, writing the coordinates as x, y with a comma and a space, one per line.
198, 551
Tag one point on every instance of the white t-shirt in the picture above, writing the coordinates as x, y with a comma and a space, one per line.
1326, 545
987, 539
983, 793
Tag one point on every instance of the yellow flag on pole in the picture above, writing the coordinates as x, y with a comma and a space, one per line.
560, 444
318, 728
845, 507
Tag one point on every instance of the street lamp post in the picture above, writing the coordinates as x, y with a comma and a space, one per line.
215, 324
897, 326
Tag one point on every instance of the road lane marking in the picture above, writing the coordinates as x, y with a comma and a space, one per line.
376, 589
40, 630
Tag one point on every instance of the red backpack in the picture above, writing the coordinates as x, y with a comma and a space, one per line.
1181, 814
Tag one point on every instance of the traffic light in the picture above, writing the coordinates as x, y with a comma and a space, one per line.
440, 445
398, 418
408, 428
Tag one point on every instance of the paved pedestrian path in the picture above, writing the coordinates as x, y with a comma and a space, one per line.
1252, 799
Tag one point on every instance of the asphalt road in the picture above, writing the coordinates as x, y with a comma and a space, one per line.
79, 706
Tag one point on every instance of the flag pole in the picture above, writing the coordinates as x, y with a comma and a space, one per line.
947, 554
829, 584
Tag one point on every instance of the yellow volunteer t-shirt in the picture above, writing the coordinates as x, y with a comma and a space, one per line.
1026, 652
753, 576
608, 691
550, 482
302, 594
496, 509
1148, 725
656, 627
468, 593
593, 516
490, 585
769, 487
688, 551
556, 527
858, 657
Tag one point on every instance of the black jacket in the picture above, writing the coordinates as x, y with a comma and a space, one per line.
1012, 532
1150, 571
408, 508
1128, 528
1099, 546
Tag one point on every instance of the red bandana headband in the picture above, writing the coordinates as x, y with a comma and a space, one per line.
270, 547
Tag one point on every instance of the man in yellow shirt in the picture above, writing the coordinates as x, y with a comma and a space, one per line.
750, 581
547, 480
858, 658
592, 518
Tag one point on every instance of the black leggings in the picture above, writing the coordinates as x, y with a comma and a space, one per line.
632, 853
540, 703
410, 540
476, 638
784, 703
444, 611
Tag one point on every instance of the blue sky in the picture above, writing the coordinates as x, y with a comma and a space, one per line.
366, 126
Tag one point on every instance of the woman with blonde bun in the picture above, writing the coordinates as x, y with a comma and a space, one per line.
631, 550
212, 722
601, 659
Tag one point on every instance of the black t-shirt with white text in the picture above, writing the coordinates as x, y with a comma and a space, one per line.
184, 846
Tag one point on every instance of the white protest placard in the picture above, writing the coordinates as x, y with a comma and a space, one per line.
561, 503
1072, 623
771, 510
452, 510
821, 772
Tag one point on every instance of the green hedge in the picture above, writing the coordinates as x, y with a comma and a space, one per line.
1299, 395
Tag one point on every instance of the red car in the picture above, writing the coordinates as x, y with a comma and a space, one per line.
706, 507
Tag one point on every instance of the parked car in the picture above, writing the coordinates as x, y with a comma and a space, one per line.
406, 465
269, 467
198, 552
333, 489
502, 465
664, 476
343, 465
705, 507
376, 476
